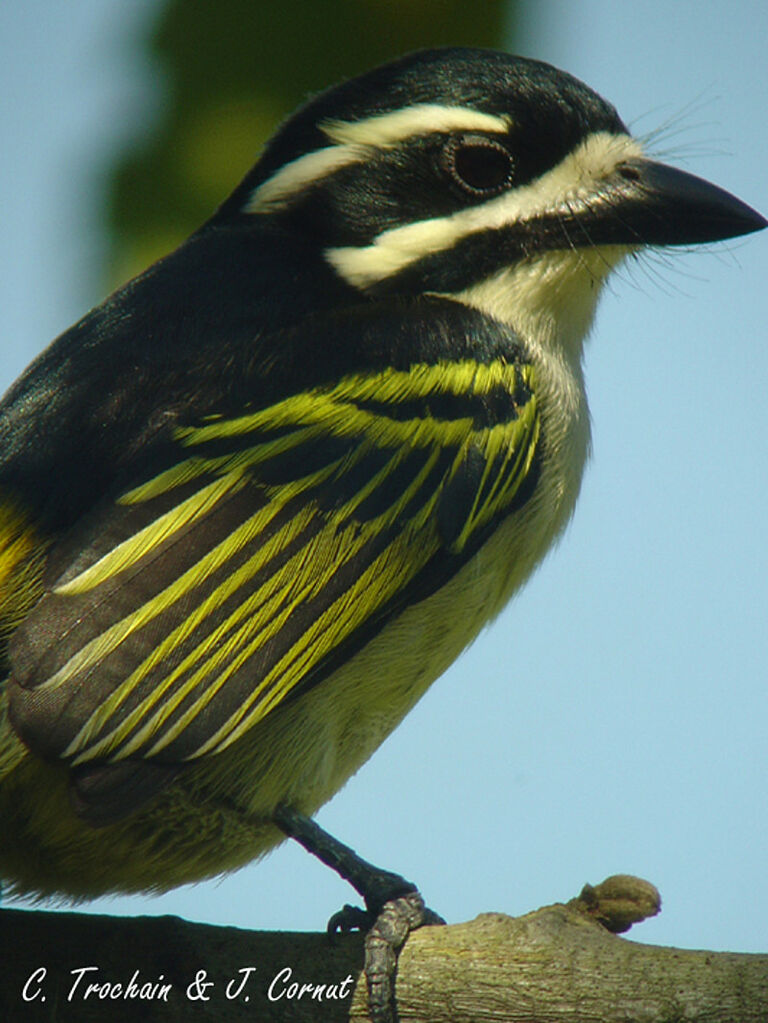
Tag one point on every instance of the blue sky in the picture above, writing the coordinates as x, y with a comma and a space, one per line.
614, 718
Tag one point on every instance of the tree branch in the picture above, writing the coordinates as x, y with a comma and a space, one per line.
560, 963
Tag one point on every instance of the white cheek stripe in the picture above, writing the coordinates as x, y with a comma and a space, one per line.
353, 141
571, 181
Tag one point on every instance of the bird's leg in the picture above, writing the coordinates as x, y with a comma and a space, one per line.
394, 906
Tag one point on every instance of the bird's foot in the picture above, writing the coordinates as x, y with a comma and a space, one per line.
394, 908
395, 921
385, 933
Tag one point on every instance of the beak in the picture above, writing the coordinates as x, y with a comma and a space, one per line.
648, 203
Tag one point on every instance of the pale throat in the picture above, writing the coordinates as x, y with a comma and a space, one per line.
550, 303
550, 300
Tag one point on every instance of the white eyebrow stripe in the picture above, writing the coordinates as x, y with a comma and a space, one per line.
382, 130
353, 141
572, 180
295, 176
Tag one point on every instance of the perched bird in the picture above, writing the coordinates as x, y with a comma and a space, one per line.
253, 504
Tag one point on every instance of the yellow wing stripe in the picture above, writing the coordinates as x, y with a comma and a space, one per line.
346, 543
347, 613
333, 410
22, 553
377, 584
194, 467
100, 646
249, 644
326, 411
524, 453
273, 602
108, 640
160, 717
196, 574
142, 543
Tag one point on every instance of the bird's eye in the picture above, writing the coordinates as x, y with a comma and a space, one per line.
479, 165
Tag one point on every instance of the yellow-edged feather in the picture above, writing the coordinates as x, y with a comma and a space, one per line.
228, 619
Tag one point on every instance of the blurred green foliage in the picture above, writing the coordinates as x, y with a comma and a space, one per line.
231, 70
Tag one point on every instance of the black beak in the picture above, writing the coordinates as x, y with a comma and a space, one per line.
647, 203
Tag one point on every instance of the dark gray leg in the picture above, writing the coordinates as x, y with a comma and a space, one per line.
393, 906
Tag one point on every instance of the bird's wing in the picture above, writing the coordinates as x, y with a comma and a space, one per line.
182, 613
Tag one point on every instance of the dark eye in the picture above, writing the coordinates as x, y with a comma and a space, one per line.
479, 165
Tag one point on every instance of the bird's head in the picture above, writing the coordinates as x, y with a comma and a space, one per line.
495, 179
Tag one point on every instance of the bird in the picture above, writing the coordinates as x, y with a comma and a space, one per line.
259, 499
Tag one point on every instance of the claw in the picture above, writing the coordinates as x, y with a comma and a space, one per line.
348, 919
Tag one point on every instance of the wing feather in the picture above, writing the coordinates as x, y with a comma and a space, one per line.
188, 609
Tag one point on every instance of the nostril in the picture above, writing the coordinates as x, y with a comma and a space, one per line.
628, 172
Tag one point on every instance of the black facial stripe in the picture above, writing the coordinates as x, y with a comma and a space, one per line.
405, 184
607, 219
477, 256
393, 186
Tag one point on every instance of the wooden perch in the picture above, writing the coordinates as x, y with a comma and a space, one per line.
560, 963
